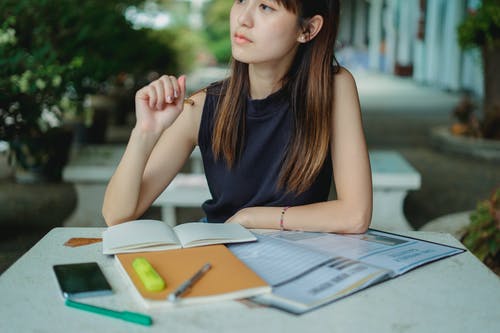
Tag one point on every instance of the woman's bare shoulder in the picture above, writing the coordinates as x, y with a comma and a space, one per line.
344, 77
345, 85
196, 100
193, 110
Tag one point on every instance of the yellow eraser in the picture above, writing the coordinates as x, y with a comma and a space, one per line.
151, 280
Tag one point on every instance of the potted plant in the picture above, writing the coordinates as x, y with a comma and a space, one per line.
481, 29
53, 56
482, 236
33, 95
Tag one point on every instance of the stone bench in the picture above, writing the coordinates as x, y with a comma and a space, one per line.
92, 166
392, 178
90, 169
186, 190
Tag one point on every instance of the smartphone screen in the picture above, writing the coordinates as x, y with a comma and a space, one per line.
82, 280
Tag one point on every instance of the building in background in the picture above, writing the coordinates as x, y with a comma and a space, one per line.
415, 38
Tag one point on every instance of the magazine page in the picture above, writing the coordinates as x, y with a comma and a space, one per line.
278, 262
396, 253
303, 279
332, 281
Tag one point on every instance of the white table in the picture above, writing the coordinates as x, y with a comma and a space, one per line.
457, 294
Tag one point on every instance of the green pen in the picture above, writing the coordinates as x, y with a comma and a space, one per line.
124, 315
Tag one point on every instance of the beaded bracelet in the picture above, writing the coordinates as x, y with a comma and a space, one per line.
283, 211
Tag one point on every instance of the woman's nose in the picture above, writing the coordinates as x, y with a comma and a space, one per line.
245, 17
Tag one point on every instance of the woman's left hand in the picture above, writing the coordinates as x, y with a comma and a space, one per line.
257, 217
243, 217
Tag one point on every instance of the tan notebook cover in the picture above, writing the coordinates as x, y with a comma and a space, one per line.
229, 278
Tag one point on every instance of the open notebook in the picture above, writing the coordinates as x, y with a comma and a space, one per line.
154, 235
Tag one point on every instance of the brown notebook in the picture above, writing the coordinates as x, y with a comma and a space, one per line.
229, 278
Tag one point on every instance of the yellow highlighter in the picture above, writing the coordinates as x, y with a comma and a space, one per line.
151, 280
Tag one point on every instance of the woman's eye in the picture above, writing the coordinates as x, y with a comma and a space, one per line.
266, 8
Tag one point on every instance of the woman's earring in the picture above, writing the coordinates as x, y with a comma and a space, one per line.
302, 38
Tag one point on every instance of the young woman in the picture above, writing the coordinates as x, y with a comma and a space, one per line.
271, 134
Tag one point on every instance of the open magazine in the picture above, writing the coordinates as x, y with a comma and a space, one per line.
307, 270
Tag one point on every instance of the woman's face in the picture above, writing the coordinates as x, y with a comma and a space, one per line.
263, 32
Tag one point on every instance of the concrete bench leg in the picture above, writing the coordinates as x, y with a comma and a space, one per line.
168, 215
388, 212
88, 209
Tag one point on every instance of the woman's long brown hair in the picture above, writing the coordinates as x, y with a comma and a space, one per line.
310, 81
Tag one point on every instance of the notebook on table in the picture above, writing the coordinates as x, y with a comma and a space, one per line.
229, 278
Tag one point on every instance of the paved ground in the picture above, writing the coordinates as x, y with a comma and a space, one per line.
398, 114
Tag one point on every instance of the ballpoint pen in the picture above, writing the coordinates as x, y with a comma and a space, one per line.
124, 315
185, 286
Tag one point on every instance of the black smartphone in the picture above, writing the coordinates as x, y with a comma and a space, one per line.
82, 280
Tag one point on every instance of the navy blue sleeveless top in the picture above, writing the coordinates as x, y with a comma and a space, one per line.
252, 181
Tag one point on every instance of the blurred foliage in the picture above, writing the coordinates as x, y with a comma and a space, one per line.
482, 27
482, 236
467, 123
55, 52
216, 18
59, 49
32, 83
185, 42
94, 31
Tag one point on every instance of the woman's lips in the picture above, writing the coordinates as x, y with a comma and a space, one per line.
241, 39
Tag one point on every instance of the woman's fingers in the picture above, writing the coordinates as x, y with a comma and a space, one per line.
182, 88
165, 90
153, 97
156, 95
171, 89
160, 94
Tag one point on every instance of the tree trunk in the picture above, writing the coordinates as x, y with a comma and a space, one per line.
491, 61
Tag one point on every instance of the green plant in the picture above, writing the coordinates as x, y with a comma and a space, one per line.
55, 52
74, 48
52, 54
33, 93
217, 30
481, 27
482, 236
467, 123
186, 43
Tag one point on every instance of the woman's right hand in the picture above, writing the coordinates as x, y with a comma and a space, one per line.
158, 104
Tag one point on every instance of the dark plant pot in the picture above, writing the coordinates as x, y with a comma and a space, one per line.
96, 133
42, 158
42, 206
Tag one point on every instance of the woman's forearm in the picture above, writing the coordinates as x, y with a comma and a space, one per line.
330, 216
122, 193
